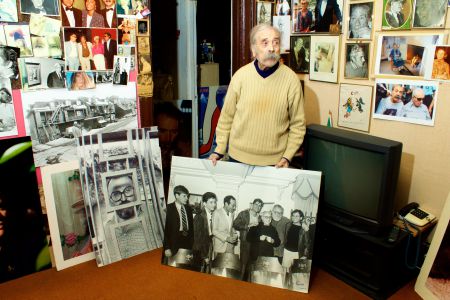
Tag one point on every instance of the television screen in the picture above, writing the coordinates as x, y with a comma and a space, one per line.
360, 175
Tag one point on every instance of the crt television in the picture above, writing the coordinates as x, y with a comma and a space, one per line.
360, 175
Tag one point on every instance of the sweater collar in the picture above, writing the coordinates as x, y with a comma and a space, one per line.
268, 72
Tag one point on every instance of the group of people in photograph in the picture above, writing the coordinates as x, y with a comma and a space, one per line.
320, 18
207, 231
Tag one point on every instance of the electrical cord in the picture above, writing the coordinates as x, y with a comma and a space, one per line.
414, 265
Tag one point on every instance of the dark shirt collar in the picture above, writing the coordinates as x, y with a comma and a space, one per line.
266, 73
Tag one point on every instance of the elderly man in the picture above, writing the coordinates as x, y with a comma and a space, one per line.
262, 121
415, 109
225, 237
244, 221
263, 238
280, 222
394, 16
393, 104
56, 79
360, 16
203, 224
356, 66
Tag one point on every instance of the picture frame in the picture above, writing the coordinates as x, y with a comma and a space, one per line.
33, 73
429, 14
355, 102
65, 211
282, 8
300, 53
143, 27
397, 16
408, 55
324, 58
430, 284
311, 21
411, 101
357, 60
360, 21
441, 64
264, 12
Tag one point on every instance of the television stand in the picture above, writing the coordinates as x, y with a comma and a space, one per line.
367, 262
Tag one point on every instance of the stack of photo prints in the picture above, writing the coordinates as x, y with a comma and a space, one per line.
406, 61
72, 69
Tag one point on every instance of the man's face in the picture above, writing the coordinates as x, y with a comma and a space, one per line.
257, 206
358, 19
440, 54
267, 48
167, 130
277, 213
266, 218
73, 38
3, 215
295, 218
211, 204
109, 3
182, 198
358, 58
396, 7
397, 94
304, 4
67, 3
106, 37
90, 5
58, 68
121, 191
418, 97
37, 3
231, 208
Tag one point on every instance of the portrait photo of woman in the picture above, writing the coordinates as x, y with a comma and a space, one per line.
80, 81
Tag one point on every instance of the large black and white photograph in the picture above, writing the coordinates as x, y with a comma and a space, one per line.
300, 53
8, 11
406, 54
255, 224
54, 118
429, 14
41, 73
324, 58
40, 7
357, 60
8, 124
67, 218
360, 23
122, 183
410, 101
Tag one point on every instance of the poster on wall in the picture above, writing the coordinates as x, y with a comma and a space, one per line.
121, 177
67, 218
252, 210
324, 58
354, 106
409, 101
55, 117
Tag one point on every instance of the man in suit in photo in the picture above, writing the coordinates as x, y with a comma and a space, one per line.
243, 222
394, 16
43, 7
71, 53
70, 16
225, 237
110, 50
299, 56
179, 231
56, 79
203, 224
109, 13
324, 12
90, 17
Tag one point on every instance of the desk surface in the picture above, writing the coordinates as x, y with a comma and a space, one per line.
143, 277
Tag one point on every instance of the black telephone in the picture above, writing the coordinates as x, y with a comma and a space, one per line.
414, 215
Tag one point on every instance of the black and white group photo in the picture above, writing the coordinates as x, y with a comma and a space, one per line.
255, 224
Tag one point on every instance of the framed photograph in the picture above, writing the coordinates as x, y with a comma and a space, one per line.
121, 71
263, 12
324, 58
143, 27
81, 80
397, 14
283, 23
67, 217
300, 53
354, 106
317, 16
33, 73
429, 14
357, 60
441, 64
19, 36
407, 55
8, 13
302, 16
127, 31
434, 278
360, 21
411, 101
282, 8
248, 218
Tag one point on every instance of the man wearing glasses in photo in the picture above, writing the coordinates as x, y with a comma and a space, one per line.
415, 108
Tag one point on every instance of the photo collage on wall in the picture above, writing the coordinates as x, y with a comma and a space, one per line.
68, 69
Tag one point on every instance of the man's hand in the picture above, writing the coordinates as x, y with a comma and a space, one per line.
270, 240
231, 240
283, 163
214, 157
168, 253
262, 238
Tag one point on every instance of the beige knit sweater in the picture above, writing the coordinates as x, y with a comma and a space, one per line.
262, 119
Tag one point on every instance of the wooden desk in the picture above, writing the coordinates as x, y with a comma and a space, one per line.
143, 277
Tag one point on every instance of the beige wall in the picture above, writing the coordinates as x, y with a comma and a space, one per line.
425, 167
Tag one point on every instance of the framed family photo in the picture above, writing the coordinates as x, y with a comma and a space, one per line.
354, 106
434, 278
324, 58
